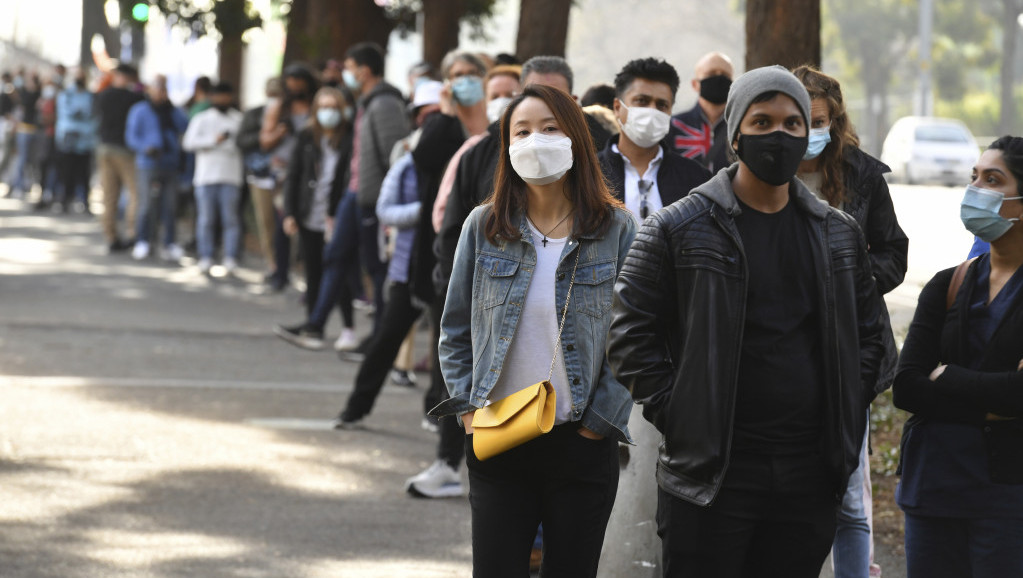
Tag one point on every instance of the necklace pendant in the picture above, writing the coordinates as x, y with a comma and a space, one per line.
544, 240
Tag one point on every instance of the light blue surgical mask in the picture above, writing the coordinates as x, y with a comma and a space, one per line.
979, 213
467, 90
350, 81
819, 138
328, 117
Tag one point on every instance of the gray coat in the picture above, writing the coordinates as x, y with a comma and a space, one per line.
383, 123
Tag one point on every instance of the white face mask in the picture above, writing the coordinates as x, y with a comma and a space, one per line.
495, 108
541, 159
645, 126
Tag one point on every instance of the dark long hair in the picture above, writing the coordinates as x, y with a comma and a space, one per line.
832, 160
585, 183
1012, 156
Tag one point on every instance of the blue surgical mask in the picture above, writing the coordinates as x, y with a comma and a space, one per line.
979, 213
819, 138
328, 117
467, 90
350, 81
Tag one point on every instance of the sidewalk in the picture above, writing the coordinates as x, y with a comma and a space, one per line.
152, 426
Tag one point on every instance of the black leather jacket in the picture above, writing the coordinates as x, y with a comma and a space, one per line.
677, 326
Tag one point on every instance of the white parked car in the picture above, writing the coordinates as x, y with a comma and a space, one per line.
929, 149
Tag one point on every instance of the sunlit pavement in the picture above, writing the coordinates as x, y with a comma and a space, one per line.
151, 425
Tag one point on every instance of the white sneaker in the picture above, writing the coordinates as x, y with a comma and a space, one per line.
140, 251
172, 252
204, 265
437, 481
230, 265
347, 341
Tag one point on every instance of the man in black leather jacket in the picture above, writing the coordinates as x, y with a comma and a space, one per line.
747, 323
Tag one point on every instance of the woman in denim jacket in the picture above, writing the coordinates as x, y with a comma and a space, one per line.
550, 216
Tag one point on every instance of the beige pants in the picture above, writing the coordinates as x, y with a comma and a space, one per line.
116, 171
266, 221
404, 360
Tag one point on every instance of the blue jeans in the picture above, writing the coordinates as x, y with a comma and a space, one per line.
27, 161
158, 197
209, 200
963, 547
340, 265
851, 552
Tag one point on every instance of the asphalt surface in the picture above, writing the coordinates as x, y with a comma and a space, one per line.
152, 426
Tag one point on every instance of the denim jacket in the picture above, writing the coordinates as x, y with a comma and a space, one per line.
484, 304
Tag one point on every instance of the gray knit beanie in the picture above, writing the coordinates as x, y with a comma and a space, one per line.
752, 84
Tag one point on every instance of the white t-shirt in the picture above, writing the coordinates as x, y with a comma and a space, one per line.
633, 196
531, 349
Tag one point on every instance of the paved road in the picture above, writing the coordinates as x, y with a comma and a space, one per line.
150, 425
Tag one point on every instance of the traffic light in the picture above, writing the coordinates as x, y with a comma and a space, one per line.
140, 12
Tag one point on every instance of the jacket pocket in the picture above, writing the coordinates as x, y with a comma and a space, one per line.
496, 276
594, 288
708, 259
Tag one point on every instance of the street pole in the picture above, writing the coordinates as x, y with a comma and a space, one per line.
926, 104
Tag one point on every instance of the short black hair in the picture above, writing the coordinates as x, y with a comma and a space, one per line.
127, 70
1012, 156
505, 58
648, 69
368, 54
602, 94
222, 88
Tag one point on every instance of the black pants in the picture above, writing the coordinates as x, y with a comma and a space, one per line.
311, 244
369, 253
774, 516
399, 316
451, 444
561, 479
74, 175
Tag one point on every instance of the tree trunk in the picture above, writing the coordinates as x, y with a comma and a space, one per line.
94, 21
785, 32
230, 66
543, 28
440, 28
1010, 34
322, 29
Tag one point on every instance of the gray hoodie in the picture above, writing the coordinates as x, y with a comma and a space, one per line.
383, 123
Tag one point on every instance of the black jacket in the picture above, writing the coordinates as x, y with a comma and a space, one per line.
677, 325
675, 177
692, 137
304, 170
940, 335
248, 134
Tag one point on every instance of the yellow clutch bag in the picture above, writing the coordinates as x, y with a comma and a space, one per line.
524, 415
513, 420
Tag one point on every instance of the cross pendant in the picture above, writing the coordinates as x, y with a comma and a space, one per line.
544, 241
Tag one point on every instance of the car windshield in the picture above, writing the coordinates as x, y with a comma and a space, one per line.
941, 133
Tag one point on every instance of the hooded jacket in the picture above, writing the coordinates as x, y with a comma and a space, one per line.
382, 123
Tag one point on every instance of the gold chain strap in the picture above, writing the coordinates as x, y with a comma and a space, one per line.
564, 312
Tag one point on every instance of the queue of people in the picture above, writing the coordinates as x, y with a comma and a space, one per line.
724, 268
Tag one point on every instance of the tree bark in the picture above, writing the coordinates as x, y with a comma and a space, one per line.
543, 28
1010, 34
322, 29
440, 28
785, 32
230, 66
94, 21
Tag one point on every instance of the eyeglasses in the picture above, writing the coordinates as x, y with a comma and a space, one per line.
644, 192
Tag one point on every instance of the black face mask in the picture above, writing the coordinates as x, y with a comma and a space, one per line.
714, 89
222, 107
774, 157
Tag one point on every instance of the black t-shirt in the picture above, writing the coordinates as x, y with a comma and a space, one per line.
780, 390
113, 105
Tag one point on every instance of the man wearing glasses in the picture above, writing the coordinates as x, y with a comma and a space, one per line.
643, 172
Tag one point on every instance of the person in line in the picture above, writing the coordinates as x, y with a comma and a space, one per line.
472, 185
700, 133
746, 321
218, 176
959, 375
76, 141
400, 207
380, 122
845, 177
316, 182
46, 141
644, 173
28, 139
258, 174
153, 130
115, 161
548, 246
283, 120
